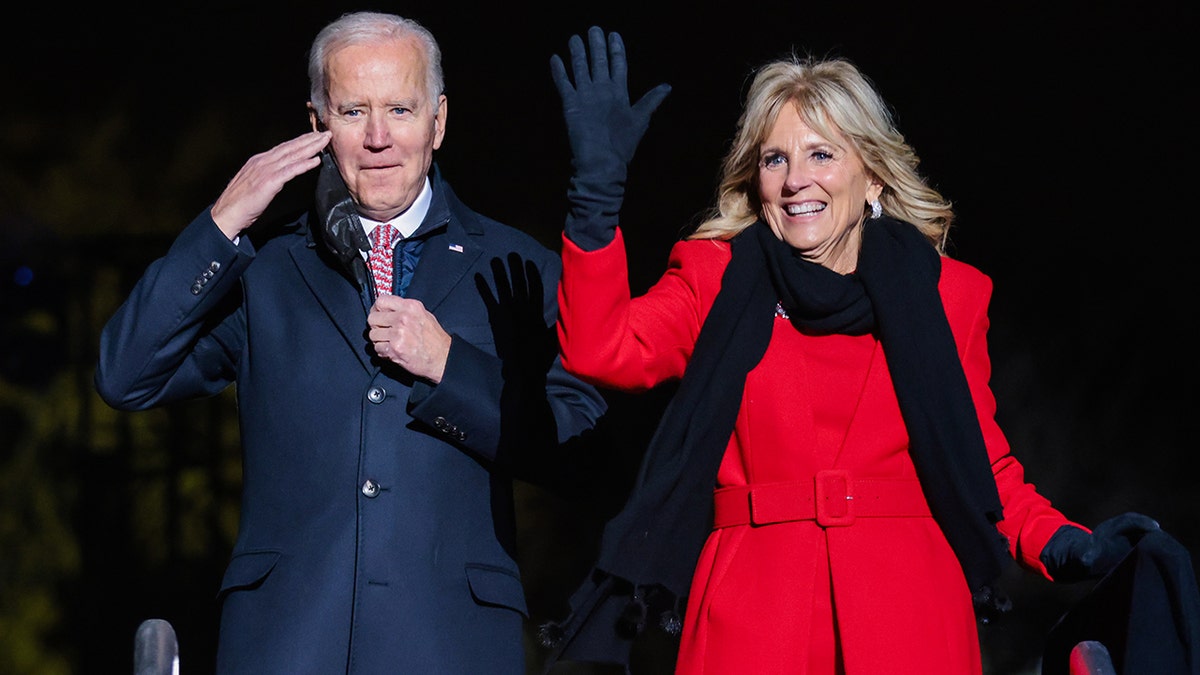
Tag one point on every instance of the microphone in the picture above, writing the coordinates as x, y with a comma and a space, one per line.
155, 650
1091, 657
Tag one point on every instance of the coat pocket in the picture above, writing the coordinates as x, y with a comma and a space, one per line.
247, 570
496, 586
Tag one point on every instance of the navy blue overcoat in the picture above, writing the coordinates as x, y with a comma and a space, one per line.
377, 528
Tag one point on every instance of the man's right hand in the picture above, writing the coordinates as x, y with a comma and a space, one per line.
262, 177
407, 334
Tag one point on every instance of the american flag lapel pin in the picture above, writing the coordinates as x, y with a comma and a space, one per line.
457, 248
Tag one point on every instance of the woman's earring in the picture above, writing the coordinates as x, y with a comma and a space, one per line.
876, 209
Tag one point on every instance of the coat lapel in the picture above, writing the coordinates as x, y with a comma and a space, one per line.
337, 296
445, 260
877, 415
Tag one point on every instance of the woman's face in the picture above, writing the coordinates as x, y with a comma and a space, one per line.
814, 191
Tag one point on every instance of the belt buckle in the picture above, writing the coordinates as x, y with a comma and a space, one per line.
835, 504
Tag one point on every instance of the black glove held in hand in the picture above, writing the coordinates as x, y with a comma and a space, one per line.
1074, 555
603, 130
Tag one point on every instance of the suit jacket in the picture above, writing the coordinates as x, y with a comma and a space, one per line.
377, 518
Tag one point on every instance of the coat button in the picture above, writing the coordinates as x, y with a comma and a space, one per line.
370, 489
446, 427
376, 394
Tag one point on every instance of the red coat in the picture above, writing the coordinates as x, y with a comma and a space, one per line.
818, 414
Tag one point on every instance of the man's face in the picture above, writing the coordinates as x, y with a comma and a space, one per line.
384, 128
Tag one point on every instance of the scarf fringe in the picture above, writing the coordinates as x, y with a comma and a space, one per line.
550, 634
631, 622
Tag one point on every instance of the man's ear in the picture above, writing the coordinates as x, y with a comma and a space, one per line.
439, 122
314, 119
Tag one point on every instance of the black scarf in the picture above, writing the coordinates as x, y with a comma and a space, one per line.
649, 550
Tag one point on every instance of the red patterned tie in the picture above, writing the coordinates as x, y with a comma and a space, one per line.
383, 238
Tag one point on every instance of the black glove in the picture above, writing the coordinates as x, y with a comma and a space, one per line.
339, 227
603, 130
1074, 555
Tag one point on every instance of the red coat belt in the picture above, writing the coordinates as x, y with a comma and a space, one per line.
832, 498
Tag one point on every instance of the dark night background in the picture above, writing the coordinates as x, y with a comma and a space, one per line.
1062, 132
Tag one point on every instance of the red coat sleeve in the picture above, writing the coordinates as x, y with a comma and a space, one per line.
608, 338
1029, 518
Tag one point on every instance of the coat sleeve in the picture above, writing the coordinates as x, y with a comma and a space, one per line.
176, 336
516, 405
1029, 518
634, 344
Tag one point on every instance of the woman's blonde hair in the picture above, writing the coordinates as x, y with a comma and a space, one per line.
832, 96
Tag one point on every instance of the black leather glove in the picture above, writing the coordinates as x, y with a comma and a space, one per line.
603, 130
1074, 555
339, 227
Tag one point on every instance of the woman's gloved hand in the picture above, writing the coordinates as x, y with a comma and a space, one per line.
1074, 555
603, 130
